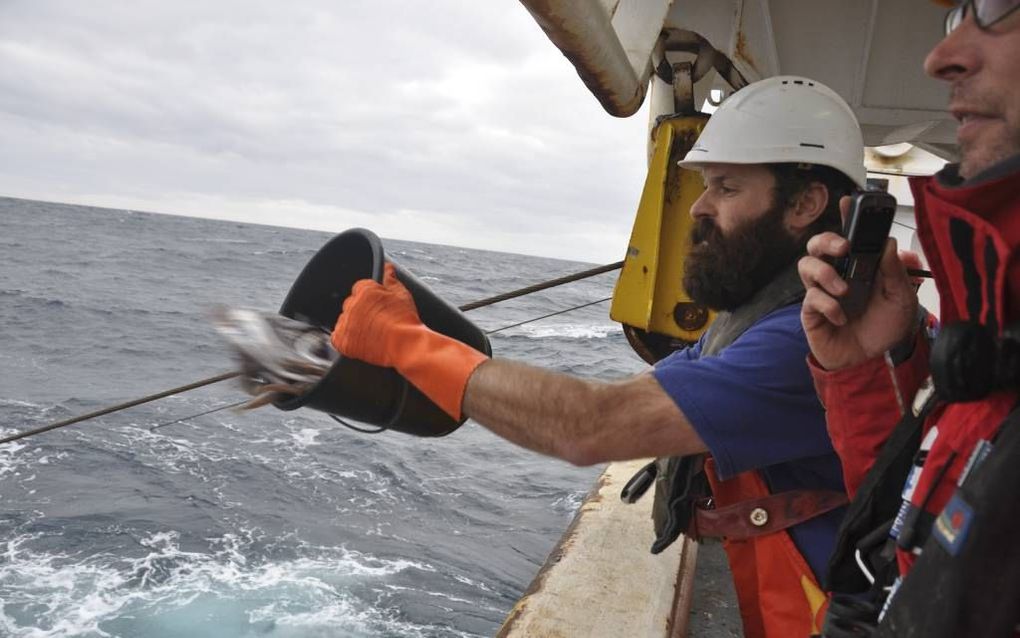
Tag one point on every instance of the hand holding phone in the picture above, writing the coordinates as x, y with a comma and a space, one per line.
867, 228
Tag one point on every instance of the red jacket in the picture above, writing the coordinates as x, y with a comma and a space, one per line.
971, 238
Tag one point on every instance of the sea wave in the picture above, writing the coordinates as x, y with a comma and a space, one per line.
569, 331
171, 592
147, 281
215, 240
569, 503
11, 461
416, 254
15, 403
25, 296
305, 437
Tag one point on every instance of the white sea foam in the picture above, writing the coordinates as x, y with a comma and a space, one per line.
343, 617
365, 476
50, 595
305, 437
416, 254
215, 240
569, 331
14, 403
473, 583
569, 503
17, 465
453, 477
11, 459
451, 598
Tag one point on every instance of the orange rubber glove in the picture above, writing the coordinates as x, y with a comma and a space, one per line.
380, 325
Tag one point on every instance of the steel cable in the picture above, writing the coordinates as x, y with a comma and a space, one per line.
552, 283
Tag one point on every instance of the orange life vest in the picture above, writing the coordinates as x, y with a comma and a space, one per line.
778, 594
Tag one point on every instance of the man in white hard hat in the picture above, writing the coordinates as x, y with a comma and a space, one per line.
775, 157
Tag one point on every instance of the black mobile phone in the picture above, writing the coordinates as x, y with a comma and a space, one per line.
867, 228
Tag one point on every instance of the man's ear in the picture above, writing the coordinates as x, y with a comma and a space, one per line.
808, 207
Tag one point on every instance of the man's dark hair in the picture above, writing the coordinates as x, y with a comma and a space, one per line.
793, 179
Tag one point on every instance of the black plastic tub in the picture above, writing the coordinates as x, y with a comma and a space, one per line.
353, 389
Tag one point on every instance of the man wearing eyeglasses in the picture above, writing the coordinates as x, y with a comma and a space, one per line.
931, 545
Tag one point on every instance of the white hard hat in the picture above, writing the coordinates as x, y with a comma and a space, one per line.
783, 119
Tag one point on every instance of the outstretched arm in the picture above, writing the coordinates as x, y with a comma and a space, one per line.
581, 421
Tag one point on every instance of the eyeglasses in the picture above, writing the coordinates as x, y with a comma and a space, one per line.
985, 12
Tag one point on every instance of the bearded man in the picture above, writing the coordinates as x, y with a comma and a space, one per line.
776, 157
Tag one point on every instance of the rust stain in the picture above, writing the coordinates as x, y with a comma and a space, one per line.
684, 138
895, 164
595, 495
677, 624
742, 51
586, 59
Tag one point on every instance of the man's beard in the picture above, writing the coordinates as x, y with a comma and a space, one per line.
724, 272
977, 156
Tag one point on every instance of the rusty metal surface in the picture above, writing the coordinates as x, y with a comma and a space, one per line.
683, 88
707, 57
743, 52
679, 623
585, 35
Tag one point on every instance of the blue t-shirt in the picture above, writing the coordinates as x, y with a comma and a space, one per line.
754, 405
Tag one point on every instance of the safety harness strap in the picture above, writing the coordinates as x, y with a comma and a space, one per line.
875, 506
967, 579
765, 515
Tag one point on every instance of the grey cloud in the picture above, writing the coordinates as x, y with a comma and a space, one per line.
459, 108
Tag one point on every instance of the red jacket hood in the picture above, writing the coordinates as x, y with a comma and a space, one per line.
971, 237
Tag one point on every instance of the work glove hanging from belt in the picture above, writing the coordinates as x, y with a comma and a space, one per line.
379, 324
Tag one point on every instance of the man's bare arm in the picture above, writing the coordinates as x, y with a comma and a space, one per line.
581, 421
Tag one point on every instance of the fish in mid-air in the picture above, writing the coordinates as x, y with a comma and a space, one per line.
280, 357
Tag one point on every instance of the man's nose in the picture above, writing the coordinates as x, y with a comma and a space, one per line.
702, 207
958, 55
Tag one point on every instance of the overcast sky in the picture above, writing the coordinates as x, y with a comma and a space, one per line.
447, 121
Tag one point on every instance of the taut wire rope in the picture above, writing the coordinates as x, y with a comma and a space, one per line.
520, 292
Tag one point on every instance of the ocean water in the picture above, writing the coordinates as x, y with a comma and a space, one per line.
264, 523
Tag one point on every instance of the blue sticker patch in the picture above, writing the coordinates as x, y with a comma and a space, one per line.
953, 523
